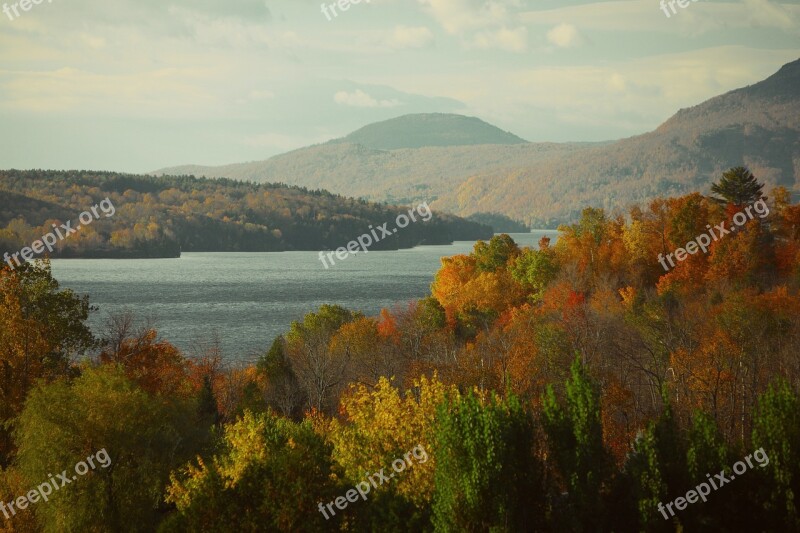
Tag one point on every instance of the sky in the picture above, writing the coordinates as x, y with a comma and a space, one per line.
138, 85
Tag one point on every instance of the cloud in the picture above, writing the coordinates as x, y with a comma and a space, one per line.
359, 98
223, 31
93, 41
181, 91
209, 69
564, 36
650, 89
481, 23
458, 16
504, 39
408, 37
616, 83
261, 95
645, 16
764, 13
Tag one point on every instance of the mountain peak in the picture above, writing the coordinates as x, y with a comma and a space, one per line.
783, 83
757, 104
429, 129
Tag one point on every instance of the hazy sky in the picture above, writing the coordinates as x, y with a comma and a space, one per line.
139, 85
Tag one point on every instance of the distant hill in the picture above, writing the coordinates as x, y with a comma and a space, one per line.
429, 129
543, 184
162, 216
396, 176
499, 223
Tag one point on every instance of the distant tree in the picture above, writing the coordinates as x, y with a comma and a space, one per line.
494, 254
581, 243
207, 402
10, 242
535, 269
160, 217
737, 186
156, 365
282, 391
319, 369
500, 223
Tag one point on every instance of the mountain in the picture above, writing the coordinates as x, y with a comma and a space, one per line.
547, 183
429, 129
757, 126
400, 176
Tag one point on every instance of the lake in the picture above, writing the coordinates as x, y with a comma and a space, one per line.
247, 299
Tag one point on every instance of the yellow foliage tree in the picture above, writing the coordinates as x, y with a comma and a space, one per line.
381, 425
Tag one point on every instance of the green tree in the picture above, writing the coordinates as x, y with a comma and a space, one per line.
207, 402
42, 328
487, 477
535, 269
737, 186
145, 437
708, 453
575, 438
690, 214
777, 431
494, 254
657, 470
592, 224
282, 390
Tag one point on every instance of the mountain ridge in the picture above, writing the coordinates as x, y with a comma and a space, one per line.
544, 184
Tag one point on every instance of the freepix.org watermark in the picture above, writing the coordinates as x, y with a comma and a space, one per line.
55, 483
49, 240
702, 242
24, 5
368, 239
373, 481
683, 4
343, 5
704, 489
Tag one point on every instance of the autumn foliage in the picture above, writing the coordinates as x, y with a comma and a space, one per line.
570, 387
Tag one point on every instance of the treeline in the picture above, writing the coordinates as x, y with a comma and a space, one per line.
160, 217
573, 387
500, 223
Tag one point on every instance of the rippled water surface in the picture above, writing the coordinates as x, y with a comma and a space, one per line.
249, 298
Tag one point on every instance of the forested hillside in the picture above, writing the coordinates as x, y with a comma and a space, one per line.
573, 387
159, 217
402, 175
756, 126
500, 223
544, 184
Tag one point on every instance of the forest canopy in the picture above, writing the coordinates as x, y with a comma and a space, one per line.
160, 217
568, 387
